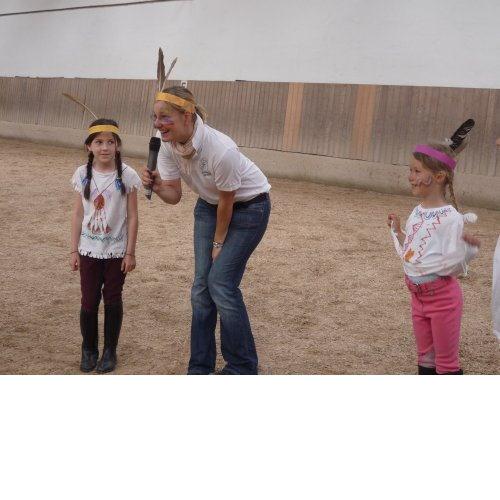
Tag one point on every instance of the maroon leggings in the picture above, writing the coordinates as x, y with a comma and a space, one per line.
98, 275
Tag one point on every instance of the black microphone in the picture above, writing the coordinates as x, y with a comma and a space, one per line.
154, 147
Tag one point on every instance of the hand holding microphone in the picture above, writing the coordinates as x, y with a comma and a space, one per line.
154, 148
149, 179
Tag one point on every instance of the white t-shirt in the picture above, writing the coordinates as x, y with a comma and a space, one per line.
217, 165
495, 302
104, 226
433, 243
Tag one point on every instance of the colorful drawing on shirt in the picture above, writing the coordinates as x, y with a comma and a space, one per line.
408, 255
428, 236
414, 231
432, 214
98, 223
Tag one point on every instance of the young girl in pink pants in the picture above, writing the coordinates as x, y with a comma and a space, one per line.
434, 251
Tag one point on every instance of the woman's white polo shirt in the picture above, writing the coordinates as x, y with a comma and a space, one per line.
217, 165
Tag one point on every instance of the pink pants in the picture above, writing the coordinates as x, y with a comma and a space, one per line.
436, 309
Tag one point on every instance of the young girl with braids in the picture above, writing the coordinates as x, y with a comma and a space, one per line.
103, 237
434, 252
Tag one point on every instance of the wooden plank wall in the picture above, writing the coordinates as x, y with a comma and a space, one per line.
378, 123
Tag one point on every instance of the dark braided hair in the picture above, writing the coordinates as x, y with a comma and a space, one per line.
119, 182
88, 178
118, 159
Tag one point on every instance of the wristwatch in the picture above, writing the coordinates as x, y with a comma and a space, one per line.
216, 244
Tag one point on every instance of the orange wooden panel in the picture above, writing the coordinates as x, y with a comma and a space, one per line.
293, 116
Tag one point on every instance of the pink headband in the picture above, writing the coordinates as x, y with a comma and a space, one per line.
437, 155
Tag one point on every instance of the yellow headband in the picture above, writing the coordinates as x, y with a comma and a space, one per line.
178, 101
103, 128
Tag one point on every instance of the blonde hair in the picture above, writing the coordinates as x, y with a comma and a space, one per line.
436, 166
186, 94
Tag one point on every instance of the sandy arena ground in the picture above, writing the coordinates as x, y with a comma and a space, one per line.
324, 289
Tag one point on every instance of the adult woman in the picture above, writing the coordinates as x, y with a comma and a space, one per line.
231, 217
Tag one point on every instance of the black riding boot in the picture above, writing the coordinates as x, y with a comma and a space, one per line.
90, 351
424, 370
113, 315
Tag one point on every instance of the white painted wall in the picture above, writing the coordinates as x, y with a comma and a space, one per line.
400, 42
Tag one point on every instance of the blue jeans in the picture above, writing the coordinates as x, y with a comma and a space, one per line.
216, 287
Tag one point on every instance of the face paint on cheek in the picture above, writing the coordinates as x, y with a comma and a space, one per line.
426, 182
163, 120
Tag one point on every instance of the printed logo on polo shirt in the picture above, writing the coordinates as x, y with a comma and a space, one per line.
204, 167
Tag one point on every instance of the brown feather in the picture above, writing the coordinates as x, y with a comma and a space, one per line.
86, 108
170, 69
160, 70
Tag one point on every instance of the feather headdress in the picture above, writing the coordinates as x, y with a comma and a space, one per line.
84, 106
96, 128
160, 71
457, 142
162, 78
459, 139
